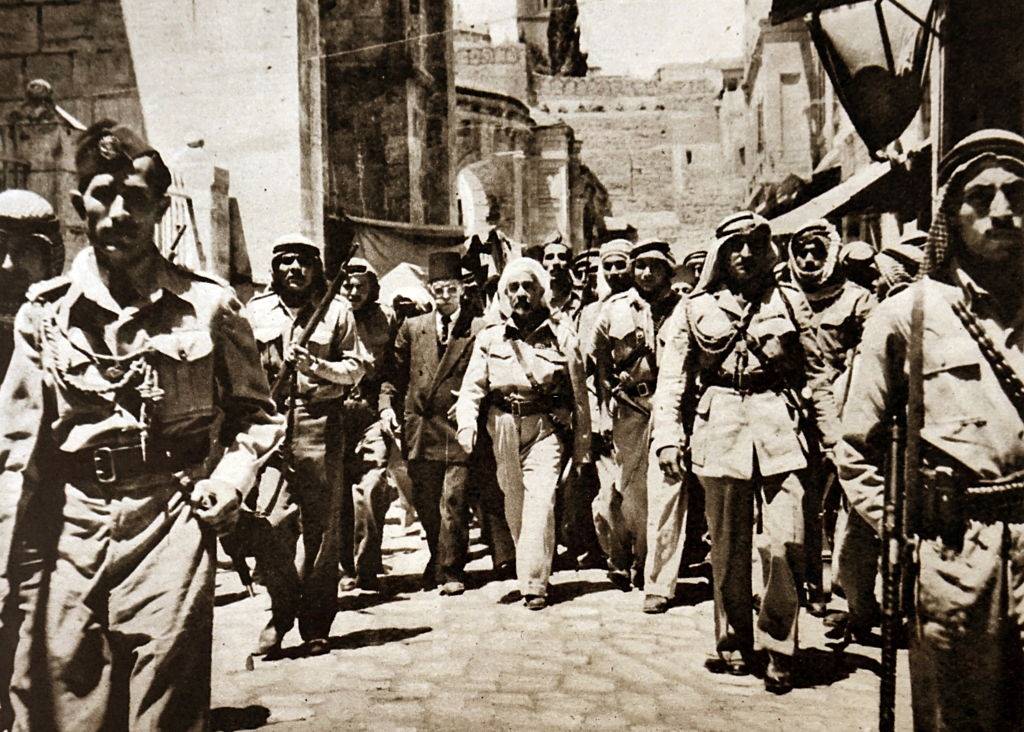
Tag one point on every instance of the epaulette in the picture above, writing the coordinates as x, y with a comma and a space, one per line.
48, 290
203, 276
261, 295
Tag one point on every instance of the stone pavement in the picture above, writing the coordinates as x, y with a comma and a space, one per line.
591, 660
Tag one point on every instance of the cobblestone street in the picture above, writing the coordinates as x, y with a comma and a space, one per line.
415, 660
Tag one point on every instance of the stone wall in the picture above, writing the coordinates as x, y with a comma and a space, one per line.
501, 69
81, 49
390, 99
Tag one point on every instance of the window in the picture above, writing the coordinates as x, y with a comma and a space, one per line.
760, 126
689, 157
742, 154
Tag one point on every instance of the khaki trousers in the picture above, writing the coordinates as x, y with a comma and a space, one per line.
856, 565
666, 536
620, 511
729, 503
529, 458
967, 654
126, 619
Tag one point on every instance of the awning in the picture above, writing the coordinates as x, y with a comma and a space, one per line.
785, 10
883, 185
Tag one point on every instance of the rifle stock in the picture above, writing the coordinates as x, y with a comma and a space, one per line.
892, 530
903, 499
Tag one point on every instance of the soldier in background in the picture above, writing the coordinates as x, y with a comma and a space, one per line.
954, 338
556, 256
627, 343
585, 273
740, 351
839, 307
306, 504
368, 438
115, 446
31, 250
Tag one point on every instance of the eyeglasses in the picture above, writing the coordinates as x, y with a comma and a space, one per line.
446, 289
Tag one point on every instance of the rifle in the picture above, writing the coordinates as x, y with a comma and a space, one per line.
903, 502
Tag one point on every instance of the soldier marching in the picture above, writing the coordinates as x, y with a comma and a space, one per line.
600, 400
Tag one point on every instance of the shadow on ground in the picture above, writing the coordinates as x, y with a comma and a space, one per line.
357, 639
229, 719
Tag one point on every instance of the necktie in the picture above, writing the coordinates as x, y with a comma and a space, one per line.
446, 321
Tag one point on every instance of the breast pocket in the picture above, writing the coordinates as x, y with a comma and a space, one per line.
951, 374
551, 368
320, 341
184, 365
775, 336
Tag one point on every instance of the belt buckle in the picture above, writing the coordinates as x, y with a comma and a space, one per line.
643, 389
103, 465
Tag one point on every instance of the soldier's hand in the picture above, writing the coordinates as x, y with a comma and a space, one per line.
389, 419
217, 505
304, 361
467, 438
670, 459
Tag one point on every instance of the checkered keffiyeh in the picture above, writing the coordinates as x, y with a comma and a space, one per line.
982, 146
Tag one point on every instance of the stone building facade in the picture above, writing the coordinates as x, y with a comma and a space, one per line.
657, 145
308, 107
514, 160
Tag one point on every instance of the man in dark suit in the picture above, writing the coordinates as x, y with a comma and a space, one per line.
431, 355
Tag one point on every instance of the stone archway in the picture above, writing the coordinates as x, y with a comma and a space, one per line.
473, 201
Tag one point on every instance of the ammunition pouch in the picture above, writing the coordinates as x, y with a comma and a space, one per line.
951, 500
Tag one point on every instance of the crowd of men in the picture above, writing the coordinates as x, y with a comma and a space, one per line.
589, 403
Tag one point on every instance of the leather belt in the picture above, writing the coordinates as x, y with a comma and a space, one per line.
640, 389
755, 383
115, 464
519, 406
995, 501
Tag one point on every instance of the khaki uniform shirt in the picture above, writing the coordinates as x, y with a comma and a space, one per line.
625, 324
552, 354
839, 321
201, 357
343, 357
969, 422
732, 425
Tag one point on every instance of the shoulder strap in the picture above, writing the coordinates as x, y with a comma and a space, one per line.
912, 504
517, 351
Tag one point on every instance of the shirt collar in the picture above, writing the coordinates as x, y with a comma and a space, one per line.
86, 283
454, 316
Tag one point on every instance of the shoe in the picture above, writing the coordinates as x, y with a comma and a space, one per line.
778, 677
505, 571
736, 663
620, 580
347, 584
271, 637
655, 604
427, 583
318, 647
452, 588
370, 583
535, 602
591, 560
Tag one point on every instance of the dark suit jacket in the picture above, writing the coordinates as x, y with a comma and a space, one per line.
421, 383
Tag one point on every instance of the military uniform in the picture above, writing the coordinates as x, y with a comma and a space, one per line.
966, 649
538, 412
629, 337
308, 501
368, 445
742, 369
108, 414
